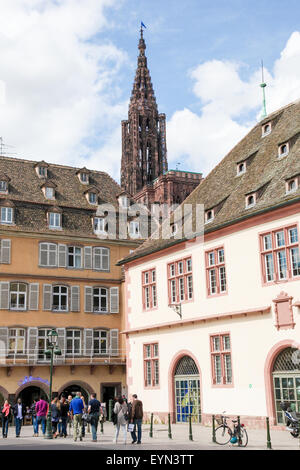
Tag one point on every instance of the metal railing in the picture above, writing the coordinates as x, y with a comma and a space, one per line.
67, 357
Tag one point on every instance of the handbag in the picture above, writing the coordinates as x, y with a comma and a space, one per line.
130, 427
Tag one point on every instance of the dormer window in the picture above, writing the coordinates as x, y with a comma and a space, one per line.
174, 228
283, 150
241, 168
42, 169
99, 225
134, 229
291, 185
91, 195
3, 186
7, 215
83, 176
266, 129
49, 193
55, 218
250, 200
4, 182
209, 216
123, 201
92, 198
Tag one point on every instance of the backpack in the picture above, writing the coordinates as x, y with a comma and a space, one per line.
114, 417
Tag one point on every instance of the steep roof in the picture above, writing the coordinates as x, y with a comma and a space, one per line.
266, 174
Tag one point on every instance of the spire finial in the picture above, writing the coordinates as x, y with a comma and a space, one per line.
263, 86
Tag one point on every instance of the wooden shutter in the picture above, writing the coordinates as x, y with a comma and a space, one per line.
105, 259
47, 297
88, 261
5, 251
4, 295
33, 296
88, 299
62, 256
32, 345
43, 260
61, 344
3, 342
75, 299
88, 342
114, 299
114, 342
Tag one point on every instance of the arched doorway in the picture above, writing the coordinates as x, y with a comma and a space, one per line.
31, 393
73, 387
187, 390
286, 381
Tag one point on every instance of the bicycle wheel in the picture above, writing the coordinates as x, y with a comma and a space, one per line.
243, 438
223, 435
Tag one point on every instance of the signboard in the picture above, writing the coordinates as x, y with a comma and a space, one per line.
28, 379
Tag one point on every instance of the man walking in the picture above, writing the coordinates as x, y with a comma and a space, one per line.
76, 409
41, 414
19, 412
94, 410
136, 419
34, 418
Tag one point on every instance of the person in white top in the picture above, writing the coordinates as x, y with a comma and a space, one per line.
120, 410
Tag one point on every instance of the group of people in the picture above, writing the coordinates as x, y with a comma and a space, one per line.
70, 409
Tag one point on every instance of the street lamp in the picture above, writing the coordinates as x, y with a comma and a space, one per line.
52, 349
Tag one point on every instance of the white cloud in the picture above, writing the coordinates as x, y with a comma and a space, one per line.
61, 87
229, 106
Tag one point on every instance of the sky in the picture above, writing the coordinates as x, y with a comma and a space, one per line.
67, 69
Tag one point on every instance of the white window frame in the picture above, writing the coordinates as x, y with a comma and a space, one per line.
77, 254
98, 258
265, 133
55, 220
49, 192
7, 215
100, 295
3, 186
99, 224
99, 339
18, 294
60, 294
48, 250
16, 337
286, 152
241, 172
91, 195
134, 229
73, 338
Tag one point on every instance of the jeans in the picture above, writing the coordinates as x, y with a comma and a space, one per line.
124, 429
4, 426
94, 425
77, 426
18, 423
137, 422
41, 419
35, 424
63, 425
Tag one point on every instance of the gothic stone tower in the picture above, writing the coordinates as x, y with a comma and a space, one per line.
144, 154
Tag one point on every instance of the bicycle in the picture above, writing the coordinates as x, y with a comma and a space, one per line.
224, 433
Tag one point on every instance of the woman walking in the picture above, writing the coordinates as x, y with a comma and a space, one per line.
120, 410
64, 413
5, 417
55, 415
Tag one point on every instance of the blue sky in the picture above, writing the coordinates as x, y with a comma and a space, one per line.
67, 69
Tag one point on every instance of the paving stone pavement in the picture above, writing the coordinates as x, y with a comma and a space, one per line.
202, 440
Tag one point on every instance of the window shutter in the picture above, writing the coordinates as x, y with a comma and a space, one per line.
4, 295
62, 256
32, 345
88, 264
42, 255
75, 299
3, 342
61, 344
88, 342
88, 299
33, 296
105, 259
114, 342
47, 297
114, 300
5, 251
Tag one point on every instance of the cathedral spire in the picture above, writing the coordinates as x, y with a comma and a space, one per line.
143, 135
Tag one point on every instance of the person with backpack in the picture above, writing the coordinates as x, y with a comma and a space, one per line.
121, 413
136, 418
94, 410
6, 411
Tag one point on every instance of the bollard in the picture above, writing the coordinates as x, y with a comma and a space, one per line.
269, 445
213, 429
169, 427
190, 428
101, 426
151, 426
110, 405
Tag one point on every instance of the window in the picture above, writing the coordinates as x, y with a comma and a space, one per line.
266, 129
6, 215
48, 254
280, 254
209, 216
54, 220
73, 342
42, 171
134, 229
92, 198
99, 224
60, 299
291, 185
101, 259
220, 347
16, 341
241, 168
74, 257
100, 300
84, 177
18, 296
283, 150
100, 342
149, 289
151, 365
123, 201
49, 192
43, 344
180, 281
215, 272
250, 200
3, 186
